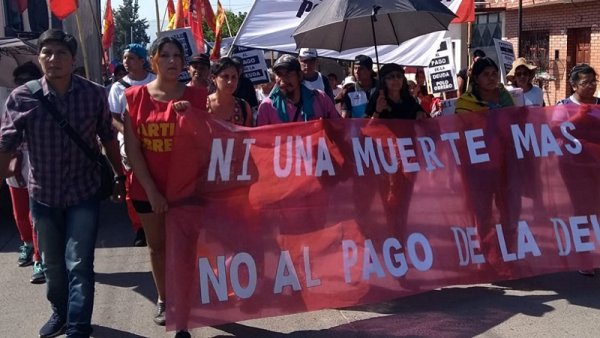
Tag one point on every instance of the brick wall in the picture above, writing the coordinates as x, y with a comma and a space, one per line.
557, 19
514, 4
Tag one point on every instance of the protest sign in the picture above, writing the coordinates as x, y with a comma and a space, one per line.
255, 67
506, 57
441, 74
332, 213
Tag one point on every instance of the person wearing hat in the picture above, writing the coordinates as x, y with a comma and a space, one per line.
134, 60
312, 78
521, 75
356, 96
199, 69
290, 100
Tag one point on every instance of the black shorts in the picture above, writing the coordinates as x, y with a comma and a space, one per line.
142, 207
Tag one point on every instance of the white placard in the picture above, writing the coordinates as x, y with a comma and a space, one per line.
506, 57
441, 74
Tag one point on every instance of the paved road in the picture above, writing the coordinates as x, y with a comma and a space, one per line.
559, 305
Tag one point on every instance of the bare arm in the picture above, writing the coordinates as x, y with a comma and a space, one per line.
117, 124
133, 149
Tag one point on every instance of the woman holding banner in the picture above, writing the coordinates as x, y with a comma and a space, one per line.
222, 104
487, 183
150, 122
581, 173
393, 100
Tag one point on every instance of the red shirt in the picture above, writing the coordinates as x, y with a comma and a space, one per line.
154, 124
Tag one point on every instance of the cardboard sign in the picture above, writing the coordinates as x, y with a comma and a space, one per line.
506, 56
441, 74
255, 67
185, 37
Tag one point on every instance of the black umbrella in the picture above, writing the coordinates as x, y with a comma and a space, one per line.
345, 24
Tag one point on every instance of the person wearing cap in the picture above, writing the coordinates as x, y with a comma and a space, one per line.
134, 59
64, 183
357, 96
312, 78
521, 76
290, 100
199, 70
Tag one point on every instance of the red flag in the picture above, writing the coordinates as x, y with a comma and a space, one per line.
208, 14
170, 9
181, 14
216, 52
196, 24
465, 11
108, 27
63, 8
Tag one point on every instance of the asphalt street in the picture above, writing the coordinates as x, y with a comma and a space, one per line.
559, 305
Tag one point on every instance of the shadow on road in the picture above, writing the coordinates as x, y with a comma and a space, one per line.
453, 311
140, 282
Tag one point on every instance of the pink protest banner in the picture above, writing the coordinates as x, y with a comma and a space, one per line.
328, 214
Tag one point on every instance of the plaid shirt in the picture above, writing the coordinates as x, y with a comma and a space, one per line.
61, 174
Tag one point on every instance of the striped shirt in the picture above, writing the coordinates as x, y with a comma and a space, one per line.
61, 174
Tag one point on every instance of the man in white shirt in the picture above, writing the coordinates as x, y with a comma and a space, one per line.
134, 60
312, 78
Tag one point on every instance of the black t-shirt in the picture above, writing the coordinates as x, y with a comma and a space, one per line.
463, 75
407, 109
245, 90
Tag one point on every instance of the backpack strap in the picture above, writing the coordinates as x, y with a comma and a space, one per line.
125, 84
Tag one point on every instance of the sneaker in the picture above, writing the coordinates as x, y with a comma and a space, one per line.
183, 334
159, 318
140, 238
587, 273
55, 326
25, 255
38, 276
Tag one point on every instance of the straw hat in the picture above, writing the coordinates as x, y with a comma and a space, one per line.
518, 63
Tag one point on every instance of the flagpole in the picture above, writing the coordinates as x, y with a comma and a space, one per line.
157, 17
83, 47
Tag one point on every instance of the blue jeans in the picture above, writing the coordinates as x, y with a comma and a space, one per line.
67, 239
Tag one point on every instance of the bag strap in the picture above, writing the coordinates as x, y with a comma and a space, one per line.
36, 89
125, 84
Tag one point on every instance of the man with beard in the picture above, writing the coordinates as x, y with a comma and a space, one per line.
290, 100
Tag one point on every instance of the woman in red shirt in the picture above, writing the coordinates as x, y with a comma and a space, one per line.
150, 122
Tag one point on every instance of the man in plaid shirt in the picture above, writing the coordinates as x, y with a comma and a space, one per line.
63, 181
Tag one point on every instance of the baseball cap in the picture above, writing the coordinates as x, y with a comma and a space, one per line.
307, 53
136, 49
201, 58
288, 62
364, 61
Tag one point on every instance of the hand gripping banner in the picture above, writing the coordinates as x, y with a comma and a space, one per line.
328, 214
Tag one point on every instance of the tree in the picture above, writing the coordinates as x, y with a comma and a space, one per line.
235, 22
129, 27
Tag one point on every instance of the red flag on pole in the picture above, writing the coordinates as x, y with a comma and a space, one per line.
181, 14
108, 27
195, 16
465, 11
63, 8
170, 9
216, 51
208, 14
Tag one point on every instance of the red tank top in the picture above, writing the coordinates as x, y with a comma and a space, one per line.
154, 124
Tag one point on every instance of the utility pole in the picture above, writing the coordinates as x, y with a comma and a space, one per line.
520, 28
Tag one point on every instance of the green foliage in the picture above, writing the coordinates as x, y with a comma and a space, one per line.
128, 23
235, 22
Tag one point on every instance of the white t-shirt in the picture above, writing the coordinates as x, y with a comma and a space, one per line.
534, 97
117, 104
116, 98
316, 84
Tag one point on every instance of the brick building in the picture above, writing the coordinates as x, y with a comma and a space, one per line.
556, 35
